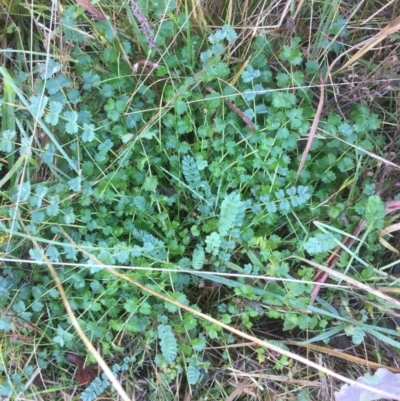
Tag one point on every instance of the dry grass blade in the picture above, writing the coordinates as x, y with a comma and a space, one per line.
371, 154
238, 390
350, 281
343, 355
389, 290
313, 130
387, 230
342, 188
377, 12
393, 27
392, 206
282, 379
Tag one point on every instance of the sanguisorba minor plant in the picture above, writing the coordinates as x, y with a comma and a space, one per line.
183, 163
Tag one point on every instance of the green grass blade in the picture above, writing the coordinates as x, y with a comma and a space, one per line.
8, 120
382, 337
11, 172
9, 80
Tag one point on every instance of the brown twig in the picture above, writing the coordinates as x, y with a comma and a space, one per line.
236, 110
313, 129
144, 63
91, 10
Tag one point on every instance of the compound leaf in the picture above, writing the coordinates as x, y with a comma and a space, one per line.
230, 208
169, 346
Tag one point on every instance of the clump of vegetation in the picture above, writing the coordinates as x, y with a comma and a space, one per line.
151, 188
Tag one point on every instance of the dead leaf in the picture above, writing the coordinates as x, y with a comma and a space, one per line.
383, 379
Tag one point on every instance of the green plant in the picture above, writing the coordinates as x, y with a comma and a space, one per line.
187, 176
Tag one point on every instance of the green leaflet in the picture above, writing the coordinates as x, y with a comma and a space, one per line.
169, 346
